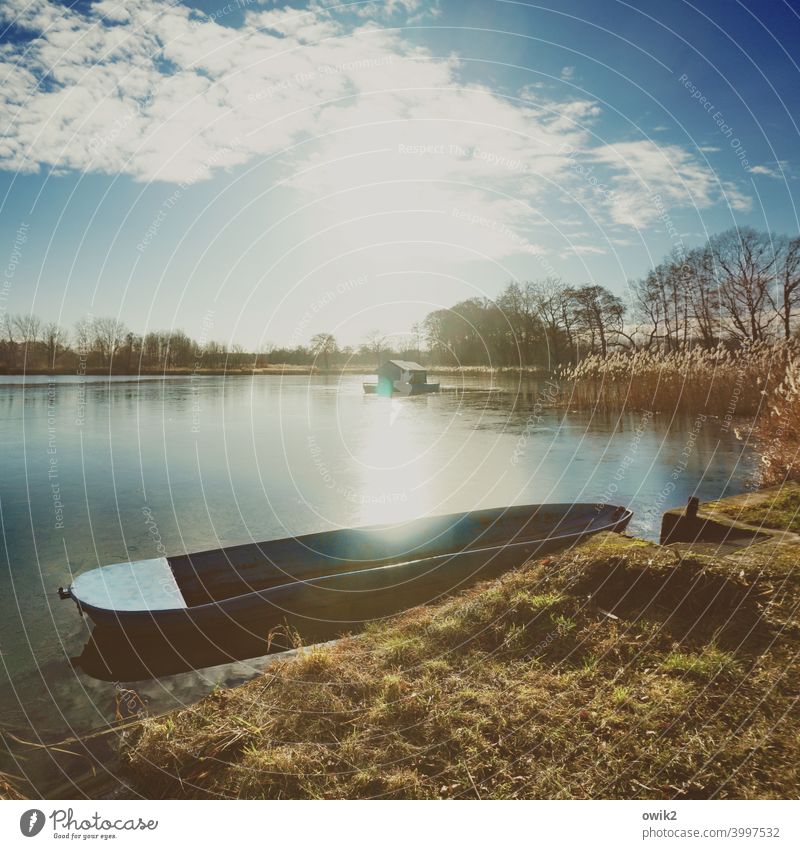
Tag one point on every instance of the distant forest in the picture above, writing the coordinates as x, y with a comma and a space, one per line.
742, 286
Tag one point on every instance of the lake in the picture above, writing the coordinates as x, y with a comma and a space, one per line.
97, 471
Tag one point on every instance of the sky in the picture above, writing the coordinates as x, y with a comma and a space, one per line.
258, 172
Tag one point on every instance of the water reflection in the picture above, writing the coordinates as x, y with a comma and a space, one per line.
112, 655
393, 461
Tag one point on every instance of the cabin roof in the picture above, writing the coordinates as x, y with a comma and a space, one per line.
407, 365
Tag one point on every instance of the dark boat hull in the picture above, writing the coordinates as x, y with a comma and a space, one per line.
331, 583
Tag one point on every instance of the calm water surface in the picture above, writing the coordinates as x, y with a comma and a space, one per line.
101, 471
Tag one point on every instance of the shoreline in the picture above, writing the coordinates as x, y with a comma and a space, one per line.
619, 645
277, 369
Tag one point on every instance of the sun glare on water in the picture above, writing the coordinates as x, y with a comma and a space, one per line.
393, 464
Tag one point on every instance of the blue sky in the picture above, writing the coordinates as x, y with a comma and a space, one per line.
259, 172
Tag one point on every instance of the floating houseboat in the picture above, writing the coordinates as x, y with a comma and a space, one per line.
401, 377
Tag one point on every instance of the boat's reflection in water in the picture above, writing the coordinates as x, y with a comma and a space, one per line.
114, 655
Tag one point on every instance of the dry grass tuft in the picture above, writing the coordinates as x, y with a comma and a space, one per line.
10, 787
619, 669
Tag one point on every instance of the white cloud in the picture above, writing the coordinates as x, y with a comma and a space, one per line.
763, 170
156, 92
164, 93
414, 10
648, 179
533, 91
304, 26
586, 249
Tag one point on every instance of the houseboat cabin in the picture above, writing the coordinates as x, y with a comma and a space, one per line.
401, 377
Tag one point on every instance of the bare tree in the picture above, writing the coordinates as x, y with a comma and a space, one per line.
181, 348
11, 343
568, 318
237, 356
28, 329
703, 293
678, 300
132, 342
552, 299
264, 351
83, 336
417, 335
662, 301
787, 295
107, 336
323, 345
649, 307
55, 339
8, 329
599, 313
745, 262
518, 306
375, 342
434, 327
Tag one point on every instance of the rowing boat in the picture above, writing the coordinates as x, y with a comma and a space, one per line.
332, 580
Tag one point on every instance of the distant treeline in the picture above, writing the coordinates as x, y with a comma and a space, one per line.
98, 343
742, 286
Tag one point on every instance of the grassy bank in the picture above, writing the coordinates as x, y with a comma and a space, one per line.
777, 508
619, 669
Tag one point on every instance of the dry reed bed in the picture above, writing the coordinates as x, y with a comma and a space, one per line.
777, 431
620, 669
538, 371
718, 382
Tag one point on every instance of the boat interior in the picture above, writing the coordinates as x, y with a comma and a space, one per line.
212, 576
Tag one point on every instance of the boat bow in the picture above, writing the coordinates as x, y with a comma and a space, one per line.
136, 585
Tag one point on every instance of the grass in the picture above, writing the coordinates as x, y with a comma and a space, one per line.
619, 669
706, 664
777, 508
